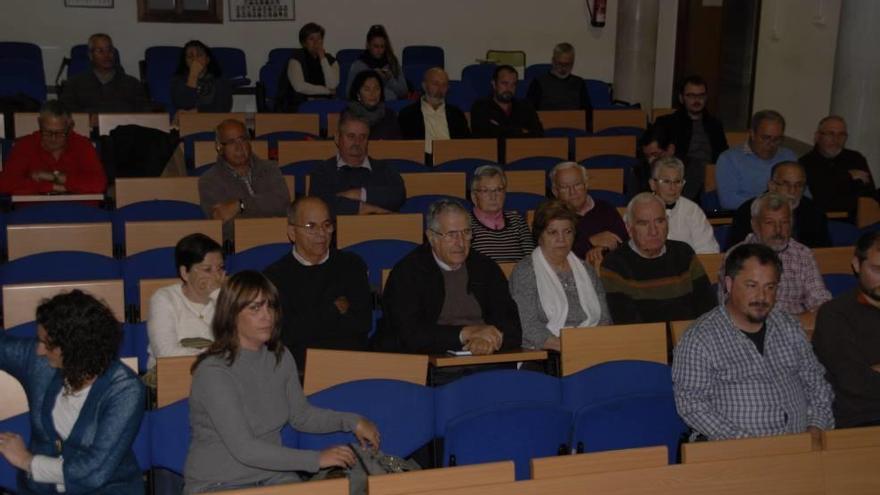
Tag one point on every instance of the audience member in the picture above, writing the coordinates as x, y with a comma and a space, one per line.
198, 83
367, 100
553, 288
810, 226
54, 159
847, 342
600, 228
654, 143
245, 388
743, 171
106, 88
502, 115
325, 296
239, 184
801, 289
686, 220
379, 56
698, 136
836, 175
745, 369
432, 118
652, 278
179, 322
558, 88
352, 183
311, 72
86, 406
501, 235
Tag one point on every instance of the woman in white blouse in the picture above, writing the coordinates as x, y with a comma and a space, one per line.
180, 314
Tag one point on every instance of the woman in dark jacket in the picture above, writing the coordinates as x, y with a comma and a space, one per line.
367, 97
198, 83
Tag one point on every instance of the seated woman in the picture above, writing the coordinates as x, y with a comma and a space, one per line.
368, 101
86, 406
379, 56
180, 314
311, 72
553, 288
245, 389
197, 83
498, 234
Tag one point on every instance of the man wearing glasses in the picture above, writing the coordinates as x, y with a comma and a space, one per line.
443, 296
558, 88
325, 296
53, 160
743, 171
686, 220
239, 184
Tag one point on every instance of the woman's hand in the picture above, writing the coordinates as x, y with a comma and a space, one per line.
12, 447
367, 434
339, 455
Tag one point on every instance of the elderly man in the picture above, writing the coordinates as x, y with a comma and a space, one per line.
745, 369
600, 228
558, 88
810, 226
743, 171
687, 222
239, 184
847, 342
431, 118
501, 235
325, 295
698, 137
837, 176
445, 296
105, 88
54, 159
801, 288
652, 278
501, 115
352, 183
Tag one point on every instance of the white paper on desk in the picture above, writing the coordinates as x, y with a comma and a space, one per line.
459, 353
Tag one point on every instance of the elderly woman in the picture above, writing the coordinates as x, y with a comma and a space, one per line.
368, 101
180, 314
197, 83
86, 406
379, 56
553, 288
311, 72
245, 389
498, 234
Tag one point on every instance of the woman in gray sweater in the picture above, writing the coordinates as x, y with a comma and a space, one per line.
245, 389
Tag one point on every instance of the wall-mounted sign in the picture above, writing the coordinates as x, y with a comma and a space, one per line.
93, 4
261, 10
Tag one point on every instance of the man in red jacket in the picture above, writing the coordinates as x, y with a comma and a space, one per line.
54, 159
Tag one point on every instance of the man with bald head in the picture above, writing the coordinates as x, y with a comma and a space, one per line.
325, 296
431, 118
239, 184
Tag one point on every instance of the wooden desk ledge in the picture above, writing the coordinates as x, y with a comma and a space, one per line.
444, 360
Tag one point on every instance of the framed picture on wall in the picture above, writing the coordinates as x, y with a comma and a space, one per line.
261, 10
93, 4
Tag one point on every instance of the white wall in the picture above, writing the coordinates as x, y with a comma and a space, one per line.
795, 66
664, 73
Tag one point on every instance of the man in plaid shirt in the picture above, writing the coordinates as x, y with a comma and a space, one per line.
745, 368
801, 289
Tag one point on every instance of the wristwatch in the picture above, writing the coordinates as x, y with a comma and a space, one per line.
56, 176
241, 206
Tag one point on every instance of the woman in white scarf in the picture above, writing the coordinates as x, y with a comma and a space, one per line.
553, 288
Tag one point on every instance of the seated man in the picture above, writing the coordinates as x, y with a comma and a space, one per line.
745, 369
105, 88
654, 143
54, 159
810, 226
325, 296
743, 171
445, 296
801, 288
686, 220
558, 88
502, 115
837, 176
239, 184
847, 342
651, 278
431, 118
352, 183
600, 228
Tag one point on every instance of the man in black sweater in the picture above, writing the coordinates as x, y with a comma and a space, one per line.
502, 115
558, 88
325, 296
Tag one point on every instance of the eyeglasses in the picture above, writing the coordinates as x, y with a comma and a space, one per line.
315, 228
578, 186
770, 139
670, 182
489, 192
695, 96
48, 133
240, 141
790, 185
466, 234
833, 134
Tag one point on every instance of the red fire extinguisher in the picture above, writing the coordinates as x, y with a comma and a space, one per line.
597, 13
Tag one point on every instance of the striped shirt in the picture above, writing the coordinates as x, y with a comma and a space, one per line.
509, 244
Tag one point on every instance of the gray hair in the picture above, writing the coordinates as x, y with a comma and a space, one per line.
486, 172
771, 115
563, 48
830, 118
348, 116
55, 109
770, 201
642, 197
670, 162
440, 207
559, 167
